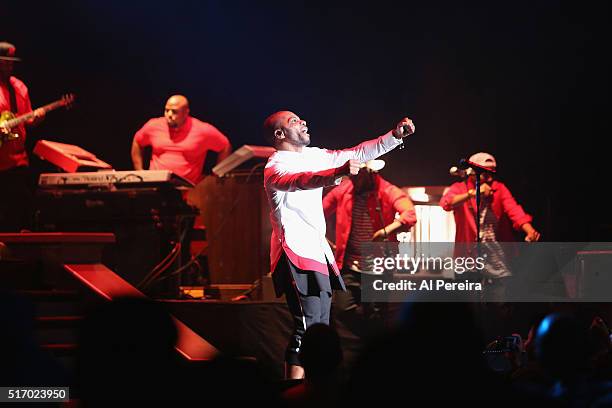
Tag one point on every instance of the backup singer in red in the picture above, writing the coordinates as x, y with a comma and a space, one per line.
498, 202
499, 214
368, 208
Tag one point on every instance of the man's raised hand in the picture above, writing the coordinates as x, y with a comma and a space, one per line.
404, 128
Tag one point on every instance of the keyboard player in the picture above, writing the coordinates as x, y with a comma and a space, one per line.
180, 143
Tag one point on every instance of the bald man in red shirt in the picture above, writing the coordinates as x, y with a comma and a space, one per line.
179, 141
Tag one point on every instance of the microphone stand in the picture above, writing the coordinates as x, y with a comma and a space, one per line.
478, 241
477, 173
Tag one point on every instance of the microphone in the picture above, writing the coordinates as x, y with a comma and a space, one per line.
466, 164
457, 172
406, 130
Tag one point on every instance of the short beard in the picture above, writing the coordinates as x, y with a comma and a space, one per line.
300, 143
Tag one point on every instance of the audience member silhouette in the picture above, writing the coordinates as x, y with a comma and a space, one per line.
435, 353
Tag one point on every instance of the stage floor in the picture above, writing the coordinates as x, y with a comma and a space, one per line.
261, 329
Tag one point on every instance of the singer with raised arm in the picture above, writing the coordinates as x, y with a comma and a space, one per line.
302, 262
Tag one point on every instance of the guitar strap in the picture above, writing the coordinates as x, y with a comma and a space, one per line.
13, 97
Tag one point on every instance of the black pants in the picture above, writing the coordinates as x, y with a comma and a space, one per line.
312, 306
306, 310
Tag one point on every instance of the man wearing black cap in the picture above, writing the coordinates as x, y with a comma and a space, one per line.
15, 180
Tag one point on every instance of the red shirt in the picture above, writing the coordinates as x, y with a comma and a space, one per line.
508, 212
13, 153
181, 150
392, 200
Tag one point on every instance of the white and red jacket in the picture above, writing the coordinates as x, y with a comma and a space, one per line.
294, 184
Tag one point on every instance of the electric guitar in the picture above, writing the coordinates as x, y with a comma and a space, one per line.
8, 120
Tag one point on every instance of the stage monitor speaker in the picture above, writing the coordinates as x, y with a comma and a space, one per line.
244, 159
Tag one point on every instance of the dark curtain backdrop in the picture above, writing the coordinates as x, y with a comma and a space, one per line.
525, 81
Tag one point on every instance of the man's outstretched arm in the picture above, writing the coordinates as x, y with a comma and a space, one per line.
374, 148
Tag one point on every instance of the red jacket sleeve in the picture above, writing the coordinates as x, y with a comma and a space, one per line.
453, 190
511, 208
402, 204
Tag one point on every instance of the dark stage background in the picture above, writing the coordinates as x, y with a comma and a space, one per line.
523, 80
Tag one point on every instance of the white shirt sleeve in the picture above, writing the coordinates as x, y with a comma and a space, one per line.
364, 151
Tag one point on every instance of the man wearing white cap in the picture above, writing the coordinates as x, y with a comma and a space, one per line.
499, 214
499, 210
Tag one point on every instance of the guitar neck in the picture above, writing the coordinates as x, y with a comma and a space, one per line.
27, 116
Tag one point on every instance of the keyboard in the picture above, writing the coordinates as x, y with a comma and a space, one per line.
98, 178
